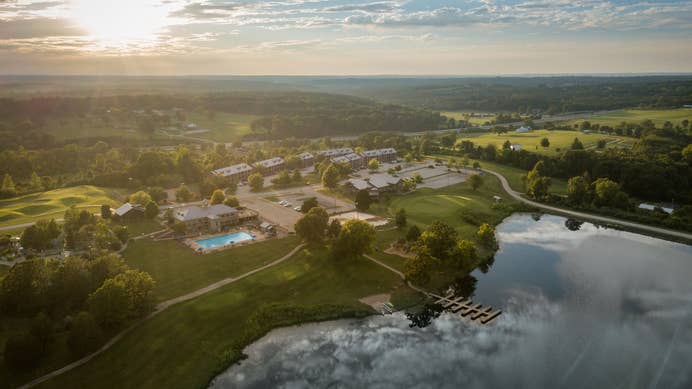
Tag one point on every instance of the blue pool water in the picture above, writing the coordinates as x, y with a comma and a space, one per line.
223, 240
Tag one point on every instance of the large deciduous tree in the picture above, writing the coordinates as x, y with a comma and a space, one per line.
312, 227
355, 239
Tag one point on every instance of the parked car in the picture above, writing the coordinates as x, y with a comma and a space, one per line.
297, 209
287, 204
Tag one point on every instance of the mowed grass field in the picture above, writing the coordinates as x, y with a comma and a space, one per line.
459, 115
223, 127
560, 141
178, 270
89, 127
658, 116
183, 347
53, 203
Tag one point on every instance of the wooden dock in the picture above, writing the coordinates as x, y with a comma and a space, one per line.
466, 308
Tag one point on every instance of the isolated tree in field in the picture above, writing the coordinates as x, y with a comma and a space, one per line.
106, 211
363, 200
601, 144
373, 165
312, 227
687, 153
85, 335
507, 145
577, 145
8, 189
330, 177
413, 233
400, 218
475, 181
231, 201
308, 204
141, 197
139, 287
256, 182
486, 235
536, 184
217, 197
439, 239
417, 178
152, 210
545, 142
183, 194
578, 190
476, 165
355, 239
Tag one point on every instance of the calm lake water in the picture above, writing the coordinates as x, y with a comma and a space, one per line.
584, 307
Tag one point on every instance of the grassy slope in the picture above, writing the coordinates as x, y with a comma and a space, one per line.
178, 270
459, 115
658, 116
224, 127
562, 140
181, 347
52, 204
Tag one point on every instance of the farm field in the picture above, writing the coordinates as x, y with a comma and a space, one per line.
190, 343
479, 121
53, 203
178, 270
90, 127
658, 116
223, 127
559, 140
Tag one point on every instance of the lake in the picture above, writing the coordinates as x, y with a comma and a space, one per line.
583, 307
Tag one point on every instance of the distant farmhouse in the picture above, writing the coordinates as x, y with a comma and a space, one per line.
129, 211
515, 147
307, 160
236, 173
207, 219
523, 129
271, 166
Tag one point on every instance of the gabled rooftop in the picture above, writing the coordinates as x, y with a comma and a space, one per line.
233, 169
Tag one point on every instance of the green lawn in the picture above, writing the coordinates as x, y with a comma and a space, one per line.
144, 226
459, 115
52, 204
559, 140
224, 127
658, 116
89, 127
184, 346
178, 270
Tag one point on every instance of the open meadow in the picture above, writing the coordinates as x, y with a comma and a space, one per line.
54, 203
560, 141
658, 116
222, 126
188, 344
462, 115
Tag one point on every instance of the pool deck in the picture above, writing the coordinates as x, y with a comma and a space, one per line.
258, 237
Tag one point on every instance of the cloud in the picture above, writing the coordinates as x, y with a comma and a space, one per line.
208, 10
37, 28
380, 6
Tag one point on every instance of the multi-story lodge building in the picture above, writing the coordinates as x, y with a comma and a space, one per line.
271, 166
331, 153
236, 173
306, 159
212, 218
382, 155
355, 161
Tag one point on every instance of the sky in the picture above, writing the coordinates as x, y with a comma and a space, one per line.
334, 37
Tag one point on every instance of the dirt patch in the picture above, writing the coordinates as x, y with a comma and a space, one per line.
399, 252
376, 300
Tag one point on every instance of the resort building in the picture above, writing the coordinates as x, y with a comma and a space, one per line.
377, 183
335, 152
271, 166
129, 211
212, 218
306, 159
236, 173
382, 155
355, 161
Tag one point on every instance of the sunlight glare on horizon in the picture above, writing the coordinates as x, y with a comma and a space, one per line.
119, 21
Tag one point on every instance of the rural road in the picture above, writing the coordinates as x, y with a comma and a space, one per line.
162, 306
588, 216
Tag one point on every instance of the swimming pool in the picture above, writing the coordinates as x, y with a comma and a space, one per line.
223, 240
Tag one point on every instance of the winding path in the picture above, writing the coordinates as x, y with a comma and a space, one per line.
588, 216
162, 306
